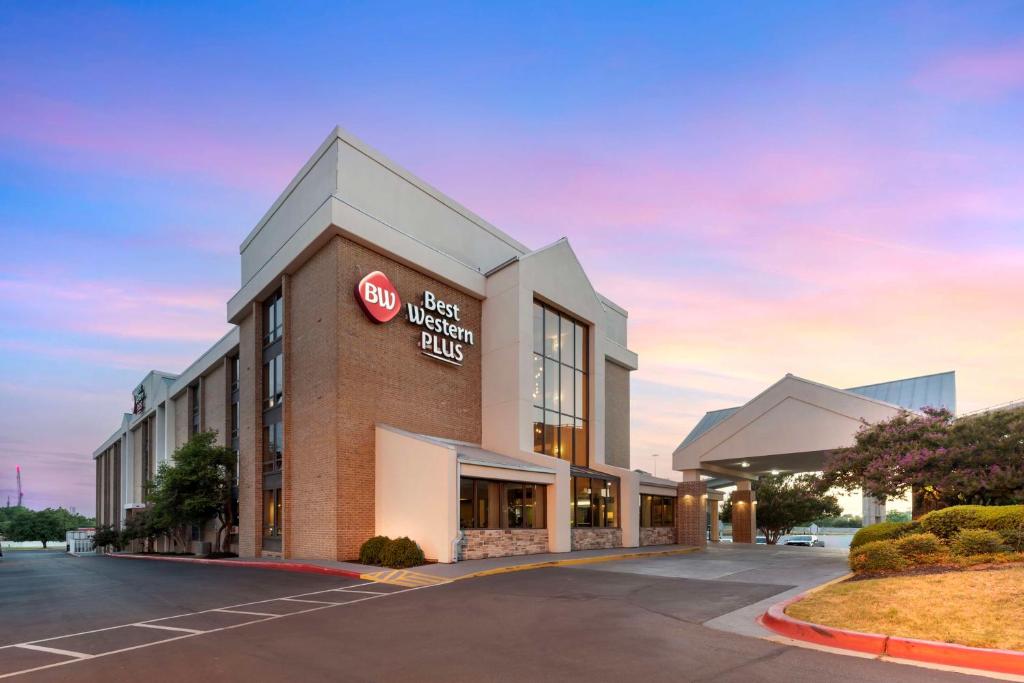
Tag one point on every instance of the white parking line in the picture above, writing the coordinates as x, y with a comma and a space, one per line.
238, 611
55, 651
166, 628
189, 633
315, 602
345, 590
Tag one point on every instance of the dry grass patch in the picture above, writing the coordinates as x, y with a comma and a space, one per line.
977, 608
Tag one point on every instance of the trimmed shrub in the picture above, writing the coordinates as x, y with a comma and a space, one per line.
882, 531
1013, 538
878, 556
976, 542
920, 548
402, 552
372, 550
947, 522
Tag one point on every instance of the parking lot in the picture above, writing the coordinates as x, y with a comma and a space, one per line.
108, 619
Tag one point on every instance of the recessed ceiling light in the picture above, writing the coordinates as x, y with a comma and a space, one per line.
775, 471
744, 464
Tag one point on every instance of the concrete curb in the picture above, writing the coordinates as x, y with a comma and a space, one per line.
927, 651
573, 561
297, 567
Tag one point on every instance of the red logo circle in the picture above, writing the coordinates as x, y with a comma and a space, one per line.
378, 297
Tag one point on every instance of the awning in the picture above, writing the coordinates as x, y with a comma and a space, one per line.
593, 474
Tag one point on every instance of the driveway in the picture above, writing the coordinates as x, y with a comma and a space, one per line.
609, 622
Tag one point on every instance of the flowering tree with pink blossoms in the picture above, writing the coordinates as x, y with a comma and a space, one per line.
977, 459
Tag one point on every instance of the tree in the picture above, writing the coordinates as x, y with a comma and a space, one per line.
42, 525
108, 536
897, 516
785, 501
976, 459
142, 525
194, 488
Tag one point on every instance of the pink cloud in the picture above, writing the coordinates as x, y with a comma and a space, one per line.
139, 139
112, 309
981, 74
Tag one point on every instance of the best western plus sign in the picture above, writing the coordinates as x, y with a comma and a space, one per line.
440, 335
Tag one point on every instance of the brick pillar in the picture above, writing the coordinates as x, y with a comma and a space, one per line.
713, 516
691, 513
744, 516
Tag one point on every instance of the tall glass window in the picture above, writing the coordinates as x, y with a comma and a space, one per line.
194, 403
560, 386
594, 502
273, 420
487, 504
657, 510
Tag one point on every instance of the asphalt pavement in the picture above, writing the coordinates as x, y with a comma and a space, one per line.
611, 623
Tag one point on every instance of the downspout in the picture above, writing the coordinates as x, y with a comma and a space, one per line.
458, 536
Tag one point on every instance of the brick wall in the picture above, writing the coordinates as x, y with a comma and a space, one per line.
384, 378
691, 513
479, 544
616, 415
312, 354
249, 438
657, 535
181, 420
743, 521
214, 395
592, 539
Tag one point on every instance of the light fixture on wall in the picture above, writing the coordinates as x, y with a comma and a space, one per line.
744, 464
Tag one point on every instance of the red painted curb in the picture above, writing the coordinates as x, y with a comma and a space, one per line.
298, 567
950, 654
777, 620
931, 652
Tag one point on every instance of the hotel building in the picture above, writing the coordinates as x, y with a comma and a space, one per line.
399, 366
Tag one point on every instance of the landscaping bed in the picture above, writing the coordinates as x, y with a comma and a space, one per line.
967, 607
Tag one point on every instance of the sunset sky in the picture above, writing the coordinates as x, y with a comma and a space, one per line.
830, 189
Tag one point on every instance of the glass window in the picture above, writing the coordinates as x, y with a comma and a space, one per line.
272, 519
194, 401
487, 504
273, 447
538, 329
560, 385
657, 510
273, 319
273, 381
594, 502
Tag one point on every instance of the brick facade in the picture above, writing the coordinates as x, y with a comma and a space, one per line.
593, 539
657, 535
343, 375
691, 513
744, 525
479, 544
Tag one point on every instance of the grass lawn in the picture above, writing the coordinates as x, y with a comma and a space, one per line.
978, 608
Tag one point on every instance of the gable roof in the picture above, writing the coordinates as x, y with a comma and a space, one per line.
913, 393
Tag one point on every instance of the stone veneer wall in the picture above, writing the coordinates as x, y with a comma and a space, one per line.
657, 535
479, 544
592, 539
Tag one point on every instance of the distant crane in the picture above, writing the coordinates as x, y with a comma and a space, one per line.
20, 493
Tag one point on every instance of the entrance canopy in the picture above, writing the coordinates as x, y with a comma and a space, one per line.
795, 423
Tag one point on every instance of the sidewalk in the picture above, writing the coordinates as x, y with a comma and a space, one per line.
438, 572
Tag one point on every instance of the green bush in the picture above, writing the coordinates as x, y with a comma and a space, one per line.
919, 548
878, 556
402, 552
881, 532
947, 522
372, 550
976, 542
1014, 539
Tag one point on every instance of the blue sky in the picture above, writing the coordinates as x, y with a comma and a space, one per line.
826, 189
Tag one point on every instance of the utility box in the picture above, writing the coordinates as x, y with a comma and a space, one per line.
200, 547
